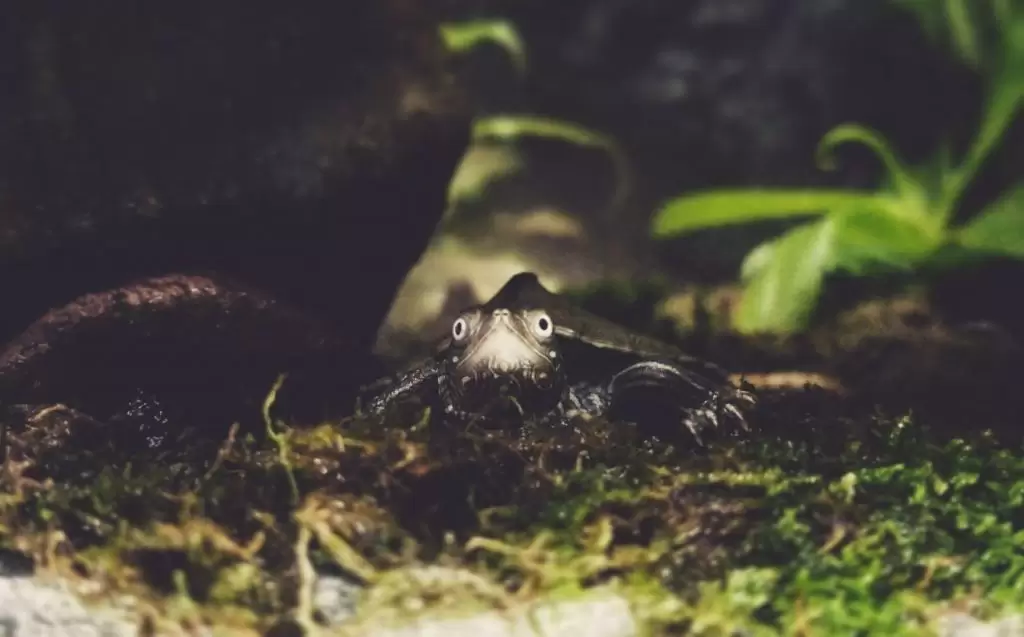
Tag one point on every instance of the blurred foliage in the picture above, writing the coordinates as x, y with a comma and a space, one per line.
906, 225
971, 29
482, 166
460, 37
507, 128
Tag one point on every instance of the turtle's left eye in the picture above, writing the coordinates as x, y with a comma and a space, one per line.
460, 328
543, 325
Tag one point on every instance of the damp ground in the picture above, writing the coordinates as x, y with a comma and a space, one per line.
880, 487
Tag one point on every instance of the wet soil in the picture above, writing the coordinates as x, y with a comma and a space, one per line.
223, 512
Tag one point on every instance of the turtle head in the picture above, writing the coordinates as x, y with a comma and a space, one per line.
502, 358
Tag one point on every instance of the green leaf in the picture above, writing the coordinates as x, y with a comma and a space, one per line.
506, 127
1000, 110
782, 295
872, 238
481, 166
928, 13
936, 176
963, 26
757, 259
999, 228
953, 255
963, 29
901, 181
463, 36
1003, 10
726, 207
512, 127
1009, 16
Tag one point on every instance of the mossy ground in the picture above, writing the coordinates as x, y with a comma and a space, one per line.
850, 512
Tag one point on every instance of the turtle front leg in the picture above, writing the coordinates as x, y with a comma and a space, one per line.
419, 381
587, 399
655, 394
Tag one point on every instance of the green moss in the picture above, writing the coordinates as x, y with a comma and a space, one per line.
829, 517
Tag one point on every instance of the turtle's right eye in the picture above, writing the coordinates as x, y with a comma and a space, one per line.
460, 329
543, 326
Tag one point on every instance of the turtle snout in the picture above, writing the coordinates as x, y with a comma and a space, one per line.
489, 387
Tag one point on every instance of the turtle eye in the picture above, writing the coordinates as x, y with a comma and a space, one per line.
543, 325
460, 328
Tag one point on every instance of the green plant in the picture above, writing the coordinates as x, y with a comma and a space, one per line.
907, 224
968, 28
459, 37
506, 128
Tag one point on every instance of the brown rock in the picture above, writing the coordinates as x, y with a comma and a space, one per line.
296, 156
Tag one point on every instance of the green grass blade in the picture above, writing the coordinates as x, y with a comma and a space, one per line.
726, 207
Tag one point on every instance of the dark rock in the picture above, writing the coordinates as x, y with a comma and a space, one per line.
298, 156
175, 348
16, 564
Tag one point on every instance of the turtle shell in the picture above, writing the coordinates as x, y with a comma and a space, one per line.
576, 326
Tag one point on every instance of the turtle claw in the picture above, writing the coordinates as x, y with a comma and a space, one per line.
737, 415
721, 409
640, 387
692, 425
736, 404
702, 419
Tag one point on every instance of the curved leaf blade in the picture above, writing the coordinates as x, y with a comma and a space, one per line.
872, 238
902, 181
783, 293
999, 228
507, 127
964, 30
757, 259
463, 36
716, 208
1001, 108
481, 166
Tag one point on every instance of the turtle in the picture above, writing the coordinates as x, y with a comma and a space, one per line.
531, 353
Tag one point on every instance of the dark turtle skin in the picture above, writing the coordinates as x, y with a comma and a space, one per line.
529, 353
